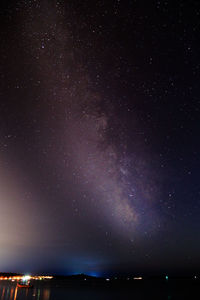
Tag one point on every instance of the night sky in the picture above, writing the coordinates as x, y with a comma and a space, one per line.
99, 136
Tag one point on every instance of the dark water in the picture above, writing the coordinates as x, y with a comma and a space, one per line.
174, 290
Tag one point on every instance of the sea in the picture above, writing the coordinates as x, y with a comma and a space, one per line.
146, 290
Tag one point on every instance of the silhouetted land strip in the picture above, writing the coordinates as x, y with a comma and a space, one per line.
119, 287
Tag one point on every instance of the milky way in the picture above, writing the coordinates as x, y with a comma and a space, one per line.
83, 129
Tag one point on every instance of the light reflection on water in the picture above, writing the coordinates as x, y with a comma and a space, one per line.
12, 292
58, 290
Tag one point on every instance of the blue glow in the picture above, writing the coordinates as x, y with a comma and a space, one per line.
94, 274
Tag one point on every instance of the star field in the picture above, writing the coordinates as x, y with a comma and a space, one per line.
99, 148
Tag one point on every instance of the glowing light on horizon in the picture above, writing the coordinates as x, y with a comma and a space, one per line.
26, 277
